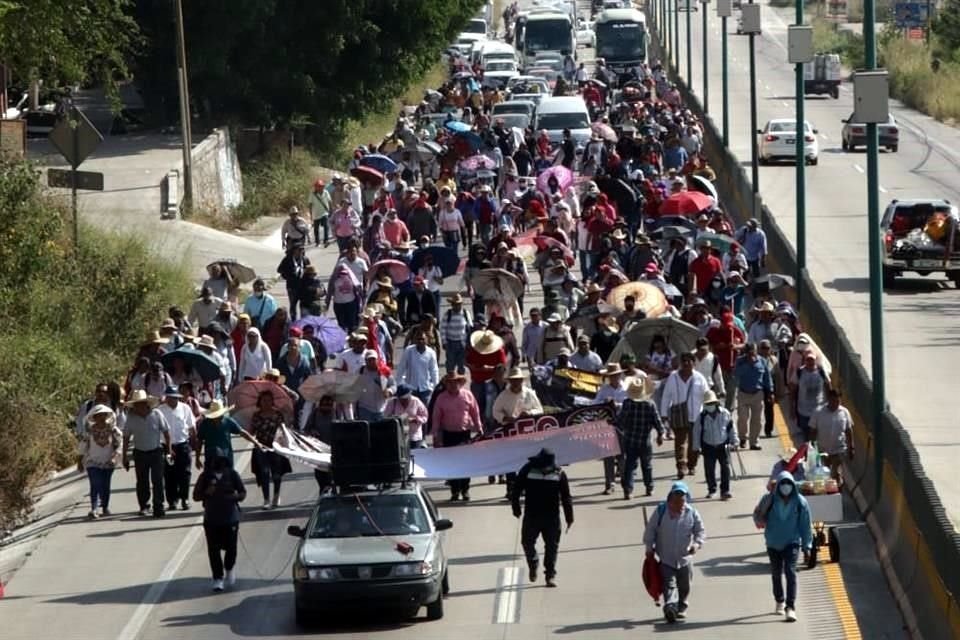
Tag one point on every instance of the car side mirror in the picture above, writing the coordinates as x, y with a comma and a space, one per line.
443, 524
296, 532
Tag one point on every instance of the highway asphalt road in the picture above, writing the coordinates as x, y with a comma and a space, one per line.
921, 315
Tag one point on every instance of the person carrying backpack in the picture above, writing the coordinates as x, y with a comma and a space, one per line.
674, 534
784, 516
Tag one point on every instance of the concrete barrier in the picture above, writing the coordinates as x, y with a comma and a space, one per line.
918, 546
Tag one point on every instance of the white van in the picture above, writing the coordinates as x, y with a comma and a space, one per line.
495, 50
564, 112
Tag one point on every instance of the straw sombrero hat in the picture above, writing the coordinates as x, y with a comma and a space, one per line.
486, 342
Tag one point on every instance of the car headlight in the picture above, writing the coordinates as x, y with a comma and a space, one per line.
319, 574
407, 569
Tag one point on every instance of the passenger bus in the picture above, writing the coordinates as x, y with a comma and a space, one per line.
543, 31
621, 38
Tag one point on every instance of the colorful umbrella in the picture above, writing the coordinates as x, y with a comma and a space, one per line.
472, 140
564, 177
199, 362
380, 162
605, 131
339, 384
367, 175
545, 243
443, 257
326, 330
704, 186
649, 298
457, 126
686, 203
244, 396
239, 271
497, 284
397, 270
717, 241
477, 162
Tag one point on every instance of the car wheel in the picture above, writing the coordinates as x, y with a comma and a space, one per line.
893, 148
835, 93
889, 278
445, 585
435, 608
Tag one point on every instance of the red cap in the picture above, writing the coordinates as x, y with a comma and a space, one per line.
296, 332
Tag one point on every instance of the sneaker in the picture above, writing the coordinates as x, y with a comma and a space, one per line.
533, 573
551, 582
710, 495
230, 577
648, 492
726, 496
755, 447
266, 505
779, 609
92, 515
276, 501
105, 513
681, 614
184, 505
466, 497
607, 490
791, 614
172, 506
670, 613
144, 512
626, 495
454, 497
218, 585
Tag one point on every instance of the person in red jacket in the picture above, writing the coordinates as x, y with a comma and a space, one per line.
704, 269
483, 355
725, 342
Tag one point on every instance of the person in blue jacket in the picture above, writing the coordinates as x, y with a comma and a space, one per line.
785, 517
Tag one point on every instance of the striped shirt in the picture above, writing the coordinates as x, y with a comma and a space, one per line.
455, 326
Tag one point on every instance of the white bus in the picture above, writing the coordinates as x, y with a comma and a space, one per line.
622, 38
543, 31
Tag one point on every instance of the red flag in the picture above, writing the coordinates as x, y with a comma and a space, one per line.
652, 579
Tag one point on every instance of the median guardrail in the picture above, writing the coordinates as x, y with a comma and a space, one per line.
918, 545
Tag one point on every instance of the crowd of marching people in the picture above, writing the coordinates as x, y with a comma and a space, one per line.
654, 302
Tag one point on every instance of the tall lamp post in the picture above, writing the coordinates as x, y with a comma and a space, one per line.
689, 49
870, 104
706, 76
750, 16
185, 126
800, 51
724, 10
676, 35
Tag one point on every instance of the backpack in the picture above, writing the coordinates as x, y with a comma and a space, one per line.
662, 509
463, 312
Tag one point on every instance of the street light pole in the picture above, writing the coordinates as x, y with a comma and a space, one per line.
726, 90
185, 126
801, 175
754, 146
676, 36
877, 373
706, 76
689, 50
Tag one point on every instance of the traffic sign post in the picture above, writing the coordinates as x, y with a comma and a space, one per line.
75, 138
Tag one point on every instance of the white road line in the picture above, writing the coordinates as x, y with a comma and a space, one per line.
858, 168
131, 631
508, 596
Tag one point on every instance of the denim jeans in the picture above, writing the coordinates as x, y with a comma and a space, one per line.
711, 456
784, 562
631, 457
451, 240
99, 487
676, 585
318, 223
456, 356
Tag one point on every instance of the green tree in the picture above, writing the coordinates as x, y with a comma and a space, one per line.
273, 62
65, 43
947, 26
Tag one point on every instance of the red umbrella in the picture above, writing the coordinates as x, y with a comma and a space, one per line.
367, 174
545, 243
685, 203
652, 579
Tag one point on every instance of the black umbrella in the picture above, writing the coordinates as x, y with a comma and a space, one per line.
620, 192
200, 363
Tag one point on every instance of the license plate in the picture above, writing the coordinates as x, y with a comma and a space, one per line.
928, 264
789, 140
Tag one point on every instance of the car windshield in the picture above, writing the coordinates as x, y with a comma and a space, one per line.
352, 516
519, 120
508, 107
500, 66
570, 120
621, 40
548, 35
476, 26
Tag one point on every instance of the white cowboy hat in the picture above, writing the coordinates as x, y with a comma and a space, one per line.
486, 342
139, 396
216, 409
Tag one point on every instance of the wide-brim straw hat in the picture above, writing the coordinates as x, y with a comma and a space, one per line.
516, 373
637, 390
217, 409
139, 396
486, 342
154, 337
612, 369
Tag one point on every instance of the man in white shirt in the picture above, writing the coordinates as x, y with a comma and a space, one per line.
183, 434
355, 263
418, 369
681, 404
708, 366
516, 400
532, 336
584, 359
375, 389
351, 360
615, 392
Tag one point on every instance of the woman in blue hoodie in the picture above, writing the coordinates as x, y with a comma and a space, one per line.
784, 516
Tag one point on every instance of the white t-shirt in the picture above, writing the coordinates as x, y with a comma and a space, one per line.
180, 420
352, 359
432, 276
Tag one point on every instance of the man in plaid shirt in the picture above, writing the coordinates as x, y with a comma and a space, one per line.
637, 419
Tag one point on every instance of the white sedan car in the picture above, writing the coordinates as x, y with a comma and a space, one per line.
778, 141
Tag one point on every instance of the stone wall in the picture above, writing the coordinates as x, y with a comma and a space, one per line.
217, 183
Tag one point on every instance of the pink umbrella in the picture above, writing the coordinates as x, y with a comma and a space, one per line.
477, 162
545, 243
397, 270
605, 131
244, 398
564, 177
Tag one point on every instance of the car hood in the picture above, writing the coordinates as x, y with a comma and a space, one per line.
368, 550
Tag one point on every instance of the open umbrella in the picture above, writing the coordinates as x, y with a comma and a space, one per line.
704, 186
497, 284
445, 258
326, 330
563, 175
199, 362
471, 139
462, 75
339, 384
685, 203
668, 289
457, 126
585, 318
429, 148
244, 398
717, 241
367, 175
680, 336
771, 281
239, 271
620, 192
477, 162
397, 270
378, 161
605, 131
649, 298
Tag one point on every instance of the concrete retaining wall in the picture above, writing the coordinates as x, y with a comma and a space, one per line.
918, 546
217, 182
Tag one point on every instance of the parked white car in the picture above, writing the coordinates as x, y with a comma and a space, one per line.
778, 141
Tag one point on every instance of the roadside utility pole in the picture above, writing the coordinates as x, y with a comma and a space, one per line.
800, 51
724, 10
706, 76
185, 126
750, 16
676, 36
689, 50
